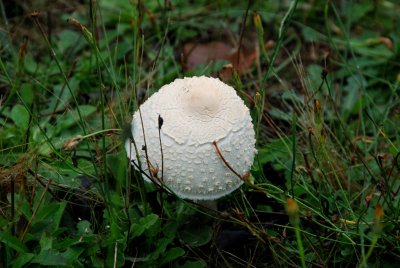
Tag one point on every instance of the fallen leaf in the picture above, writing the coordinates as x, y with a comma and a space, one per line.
195, 54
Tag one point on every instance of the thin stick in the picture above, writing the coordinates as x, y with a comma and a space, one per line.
160, 123
144, 172
294, 122
38, 179
309, 172
12, 205
243, 26
35, 175
36, 210
115, 254
225, 162
144, 137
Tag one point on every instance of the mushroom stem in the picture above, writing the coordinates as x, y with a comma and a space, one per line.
225, 162
208, 204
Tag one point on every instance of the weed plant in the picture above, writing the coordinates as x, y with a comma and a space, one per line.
325, 101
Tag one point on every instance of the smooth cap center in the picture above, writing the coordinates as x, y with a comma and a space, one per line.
201, 100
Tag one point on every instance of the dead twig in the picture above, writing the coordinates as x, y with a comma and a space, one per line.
36, 210
226, 162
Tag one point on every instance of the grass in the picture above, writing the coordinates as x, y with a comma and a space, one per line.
323, 93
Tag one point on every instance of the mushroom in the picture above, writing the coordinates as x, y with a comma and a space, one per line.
198, 138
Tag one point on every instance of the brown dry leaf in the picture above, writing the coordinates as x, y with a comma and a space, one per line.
195, 54
71, 144
386, 41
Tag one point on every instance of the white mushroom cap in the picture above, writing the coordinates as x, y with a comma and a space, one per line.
195, 111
